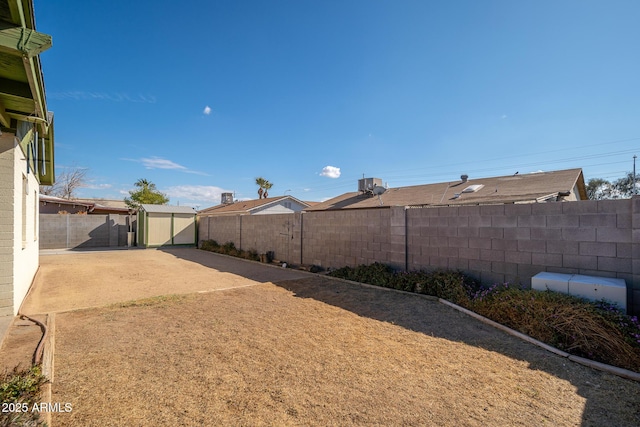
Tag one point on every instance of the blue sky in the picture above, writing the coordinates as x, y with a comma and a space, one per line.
203, 96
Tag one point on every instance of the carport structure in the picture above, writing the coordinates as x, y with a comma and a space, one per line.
161, 225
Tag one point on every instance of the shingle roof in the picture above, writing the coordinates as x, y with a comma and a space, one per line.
246, 206
525, 188
168, 209
92, 206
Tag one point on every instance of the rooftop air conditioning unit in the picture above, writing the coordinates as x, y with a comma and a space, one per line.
366, 185
227, 198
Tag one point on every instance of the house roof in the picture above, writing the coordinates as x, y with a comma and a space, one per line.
22, 92
92, 206
167, 209
110, 203
525, 188
245, 207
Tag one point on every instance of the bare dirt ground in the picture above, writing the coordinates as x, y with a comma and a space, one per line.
265, 348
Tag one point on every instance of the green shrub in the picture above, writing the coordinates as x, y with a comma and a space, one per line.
229, 248
450, 285
21, 387
210, 245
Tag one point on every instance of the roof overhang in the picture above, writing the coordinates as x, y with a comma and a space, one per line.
22, 91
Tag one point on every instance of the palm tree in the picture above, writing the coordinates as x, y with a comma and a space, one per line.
260, 182
267, 187
264, 187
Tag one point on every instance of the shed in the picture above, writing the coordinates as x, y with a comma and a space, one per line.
162, 225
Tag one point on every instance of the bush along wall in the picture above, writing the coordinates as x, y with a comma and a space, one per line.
598, 331
229, 249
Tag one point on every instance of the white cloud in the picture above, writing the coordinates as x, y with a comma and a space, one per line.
199, 193
330, 172
207, 110
160, 163
92, 186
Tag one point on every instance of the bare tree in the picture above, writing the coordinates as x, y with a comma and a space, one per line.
66, 184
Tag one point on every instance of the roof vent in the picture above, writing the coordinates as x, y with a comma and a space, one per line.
473, 188
464, 177
227, 198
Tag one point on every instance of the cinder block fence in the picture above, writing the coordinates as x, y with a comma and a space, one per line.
494, 243
83, 231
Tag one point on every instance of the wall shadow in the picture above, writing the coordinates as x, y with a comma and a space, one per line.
98, 237
603, 393
248, 269
431, 318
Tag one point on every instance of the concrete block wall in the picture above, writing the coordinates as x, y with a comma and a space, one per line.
279, 233
275, 233
635, 254
352, 237
7, 221
495, 243
512, 243
83, 231
222, 229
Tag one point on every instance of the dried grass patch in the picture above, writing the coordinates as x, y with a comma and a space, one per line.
317, 352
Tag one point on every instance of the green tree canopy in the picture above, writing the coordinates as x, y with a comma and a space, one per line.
598, 188
625, 185
146, 193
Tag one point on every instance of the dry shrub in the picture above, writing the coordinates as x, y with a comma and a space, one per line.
571, 324
229, 248
597, 331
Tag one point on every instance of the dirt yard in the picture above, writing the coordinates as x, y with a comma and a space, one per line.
267, 346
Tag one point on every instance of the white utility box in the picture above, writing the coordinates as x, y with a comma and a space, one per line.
556, 282
597, 288
590, 287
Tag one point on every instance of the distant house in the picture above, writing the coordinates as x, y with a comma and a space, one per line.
268, 206
541, 187
26, 150
57, 205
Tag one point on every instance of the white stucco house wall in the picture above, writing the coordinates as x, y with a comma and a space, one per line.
26, 151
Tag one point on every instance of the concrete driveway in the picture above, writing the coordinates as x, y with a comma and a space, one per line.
70, 280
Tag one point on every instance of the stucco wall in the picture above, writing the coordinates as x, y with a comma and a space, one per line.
494, 243
18, 225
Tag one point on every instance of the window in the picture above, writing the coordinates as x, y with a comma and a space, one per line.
35, 215
25, 193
